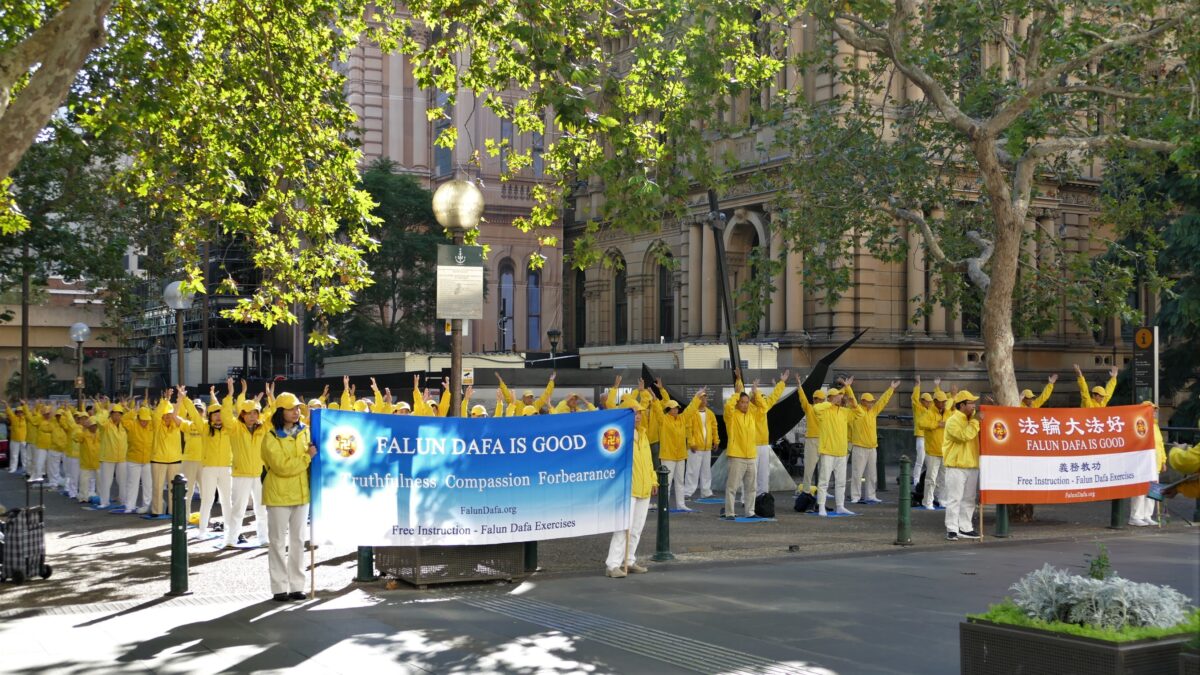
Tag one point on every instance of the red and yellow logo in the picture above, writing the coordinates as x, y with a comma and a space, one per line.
1140, 427
999, 431
345, 445
611, 440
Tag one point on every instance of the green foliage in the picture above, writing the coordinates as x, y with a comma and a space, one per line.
636, 90
396, 312
1050, 594
1099, 566
41, 383
1009, 613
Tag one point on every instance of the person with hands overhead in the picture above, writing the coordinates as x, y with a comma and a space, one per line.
673, 432
18, 430
763, 434
216, 472
864, 444
834, 420
741, 430
1096, 397
527, 397
1029, 401
622, 547
702, 440
114, 444
246, 435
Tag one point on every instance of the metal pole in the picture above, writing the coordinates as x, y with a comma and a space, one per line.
531, 556
204, 319
79, 373
1001, 521
25, 274
366, 564
179, 343
662, 551
717, 224
179, 553
904, 510
1119, 514
455, 354
880, 470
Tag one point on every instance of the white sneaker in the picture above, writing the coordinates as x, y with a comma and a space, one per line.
1152, 522
615, 573
1137, 522
822, 513
142, 511
845, 512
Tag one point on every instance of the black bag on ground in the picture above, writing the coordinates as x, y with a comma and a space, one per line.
805, 502
764, 505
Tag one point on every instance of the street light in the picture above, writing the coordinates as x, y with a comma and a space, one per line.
554, 334
457, 206
79, 333
180, 301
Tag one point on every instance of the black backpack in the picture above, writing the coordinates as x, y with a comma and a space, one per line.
764, 505
806, 502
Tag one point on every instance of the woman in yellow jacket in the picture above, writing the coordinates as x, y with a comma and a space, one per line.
193, 447
812, 437
70, 462
17, 433
114, 444
702, 440
1029, 401
834, 420
166, 457
87, 434
246, 435
935, 434
864, 443
216, 472
57, 451
137, 461
741, 432
287, 451
622, 548
1097, 397
673, 432
765, 453
1141, 513
923, 421
960, 452
42, 437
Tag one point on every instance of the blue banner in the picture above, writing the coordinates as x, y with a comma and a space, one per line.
403, 480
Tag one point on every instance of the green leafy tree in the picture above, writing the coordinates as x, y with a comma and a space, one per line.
41, 382
396, 312
959, 158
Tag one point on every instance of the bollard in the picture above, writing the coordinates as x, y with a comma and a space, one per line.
366, 564
179, 553
662, 551
880, 472
1001, 521
904, 510
1119, 515
531, 555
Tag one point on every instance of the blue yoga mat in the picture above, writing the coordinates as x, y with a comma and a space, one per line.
918, 507
744, 519
831, 514
161, 516
120, 512
709, 500
684, 511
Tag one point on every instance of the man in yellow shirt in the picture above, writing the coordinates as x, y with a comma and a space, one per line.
834, 421
1141, 513
17, 431
741, 431
812, 436
673, 430
960, 453
622, 548
1028, 400
1097, 397
924, 420
702, 440
864, 444
763, 438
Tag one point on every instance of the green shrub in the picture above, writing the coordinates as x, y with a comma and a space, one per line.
1114, 603
1009, 613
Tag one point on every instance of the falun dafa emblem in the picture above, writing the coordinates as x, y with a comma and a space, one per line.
611, 440
345, 445
1140, 427
999, 431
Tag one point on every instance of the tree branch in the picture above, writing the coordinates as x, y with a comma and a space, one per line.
975, 265
1049, 79
1053, 146
876, 45
1094, 89
918, 219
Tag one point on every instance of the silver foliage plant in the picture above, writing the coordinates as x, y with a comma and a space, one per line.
1057, 595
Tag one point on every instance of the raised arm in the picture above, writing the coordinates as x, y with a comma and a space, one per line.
883, 399
542, 400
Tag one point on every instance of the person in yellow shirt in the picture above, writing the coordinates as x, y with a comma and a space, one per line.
43, 437
834, 421
812, 438
56, 451
216, 473
1186, 461
960, 453
1029, 401
88, 436
193, 449
527, 397
673, 430
864, 444
166, 457
70, 422
287, 451
762, 480
935, 469
575, 403
1097, 397
18, 456
138, 475
702, 440
246, 435
622, 547
114, 444
923, 421
741, 432
1141, 512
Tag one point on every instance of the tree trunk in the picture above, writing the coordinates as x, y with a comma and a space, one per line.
998, 312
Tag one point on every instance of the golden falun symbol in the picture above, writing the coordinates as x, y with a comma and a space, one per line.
611, 441
1140, 427
999, 431
345, 445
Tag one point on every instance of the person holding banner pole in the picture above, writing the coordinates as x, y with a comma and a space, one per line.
960, 453
1096, 397
1141, 513
287, 452
622, 548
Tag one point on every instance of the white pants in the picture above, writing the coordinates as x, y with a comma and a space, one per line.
190, 471
962, 488
835, 466
14, 456
919, 463
107, 471
246, 488
763, 479
217, 480
862, 471
812, 457
39, 463
1141, 508
71, 475
618, 553
698, 473
87, 484
675, 476
743, 474
54, 475
137, 476
935, 479
287, 531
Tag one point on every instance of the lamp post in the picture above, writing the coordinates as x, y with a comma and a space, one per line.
180, 301
457, 206
554, 334
79, 334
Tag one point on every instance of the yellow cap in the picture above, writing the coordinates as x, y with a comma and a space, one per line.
360, 406
478, 411
249, 406
834, 392
632, 404
1028, 393
964, 395
402, 405
867, 397
315, 403
1152, 404
527, 392
1098, 390
143, 414
287, 401
118, 408
528, 410
940, 396
671, 403
927, 397
820, 393
216, 407
334, 406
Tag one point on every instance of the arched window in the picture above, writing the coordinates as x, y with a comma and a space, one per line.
580, 308
533, 310
505, 321
620, 308
666, 304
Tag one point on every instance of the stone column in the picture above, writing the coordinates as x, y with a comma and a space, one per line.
915, 284
695, 275
778, 302
794, 291
708, 305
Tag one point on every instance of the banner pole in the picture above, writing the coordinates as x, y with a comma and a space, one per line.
980, 509
625, 556
312, 554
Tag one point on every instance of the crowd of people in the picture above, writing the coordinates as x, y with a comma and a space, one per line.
242, 451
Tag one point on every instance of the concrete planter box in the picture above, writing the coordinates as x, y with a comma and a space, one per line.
1189, 662
987, 648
